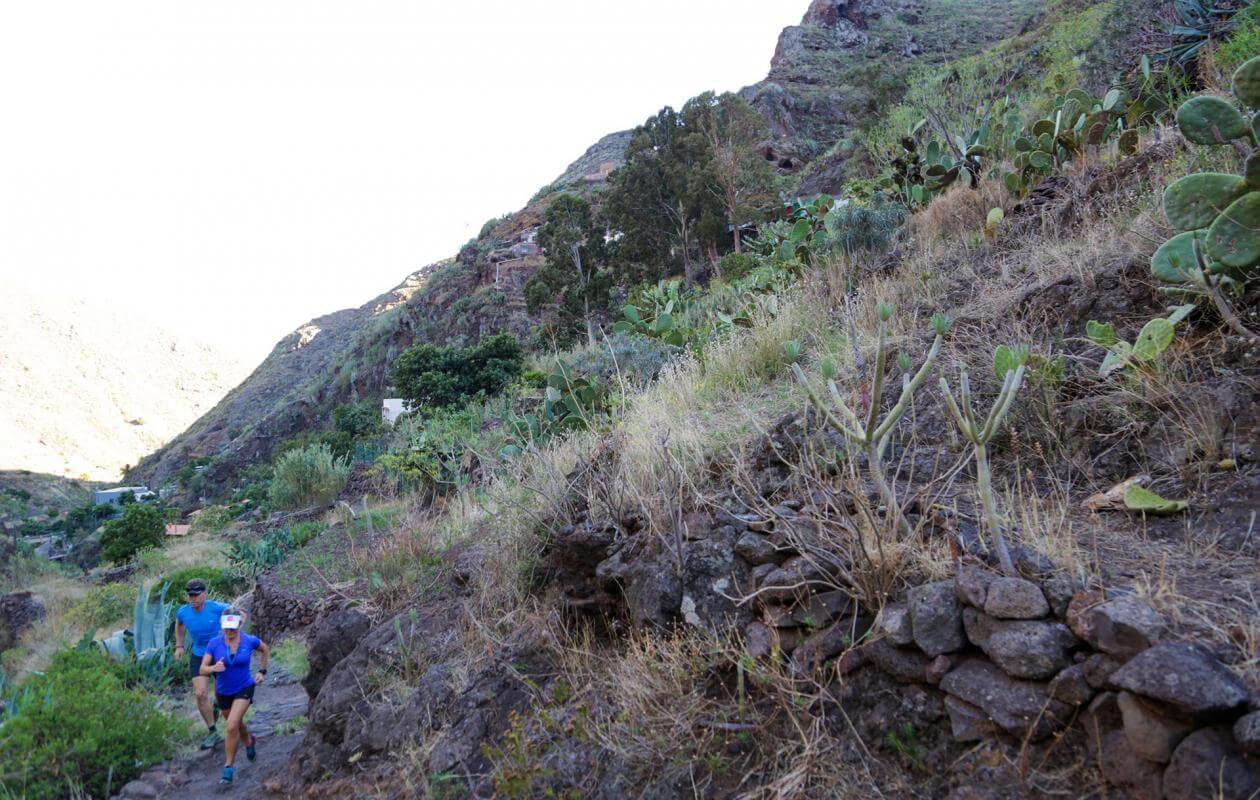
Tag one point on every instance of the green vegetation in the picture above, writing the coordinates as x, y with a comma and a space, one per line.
221, 584
572, 281
291, 654
1218, 214
1009, 364
104, 605
80, 726
309, 476
1143, 354
427, 375
138, 528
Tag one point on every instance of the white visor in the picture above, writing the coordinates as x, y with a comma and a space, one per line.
230, 622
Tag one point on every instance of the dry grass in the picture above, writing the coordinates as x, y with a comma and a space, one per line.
959, 212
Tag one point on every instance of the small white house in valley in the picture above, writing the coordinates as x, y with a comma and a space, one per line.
392, 408
115, 495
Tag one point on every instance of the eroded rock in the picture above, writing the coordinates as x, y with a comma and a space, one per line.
1015, 598
894, 622
936, 618
1207, 764
1247, 733
1151, 734
1186, 677
1018, 707
1071, 687
1125, 626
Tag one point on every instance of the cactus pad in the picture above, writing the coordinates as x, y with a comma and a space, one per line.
1129, 141
1195, 201
1234, 238
1174, 261
1252, 170
1206, 119
1247, 83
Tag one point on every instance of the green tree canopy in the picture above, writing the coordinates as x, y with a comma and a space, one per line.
572, 279
140, 527
427, 375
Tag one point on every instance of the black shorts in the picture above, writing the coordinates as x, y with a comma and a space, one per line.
226, 700
194, 665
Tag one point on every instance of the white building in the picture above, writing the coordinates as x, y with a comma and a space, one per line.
392, 408
103, 496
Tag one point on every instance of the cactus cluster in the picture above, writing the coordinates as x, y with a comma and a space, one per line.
1217, 214
657, 314
1143, 354
1217, 249
570, 402
923, 171
1079, 120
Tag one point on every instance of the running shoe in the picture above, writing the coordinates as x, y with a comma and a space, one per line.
228, 773
211, 740
250, 752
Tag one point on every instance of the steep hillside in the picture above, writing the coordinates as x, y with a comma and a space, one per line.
89, 391
828, 77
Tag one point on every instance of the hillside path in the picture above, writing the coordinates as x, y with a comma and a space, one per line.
195, 776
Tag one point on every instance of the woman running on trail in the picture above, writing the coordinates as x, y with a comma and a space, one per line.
227, 658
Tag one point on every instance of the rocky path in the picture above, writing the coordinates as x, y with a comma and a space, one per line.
196, 776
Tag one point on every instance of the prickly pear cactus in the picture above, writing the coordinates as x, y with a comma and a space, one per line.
1217, 214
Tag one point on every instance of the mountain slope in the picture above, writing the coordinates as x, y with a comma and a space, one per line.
829, 75
89, 390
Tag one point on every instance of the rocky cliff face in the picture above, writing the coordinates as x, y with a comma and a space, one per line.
827, 77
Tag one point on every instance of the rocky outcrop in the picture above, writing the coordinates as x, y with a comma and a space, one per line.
276, 610
18, 613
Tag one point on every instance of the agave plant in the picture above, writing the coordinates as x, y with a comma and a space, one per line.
1198, 23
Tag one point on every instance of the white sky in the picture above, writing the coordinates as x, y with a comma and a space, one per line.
233, 168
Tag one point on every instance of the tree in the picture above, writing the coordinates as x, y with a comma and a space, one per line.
573, 244
140, 527
426, 375
662, 201
745, 182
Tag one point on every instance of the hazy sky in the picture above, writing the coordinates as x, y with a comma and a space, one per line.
234, 168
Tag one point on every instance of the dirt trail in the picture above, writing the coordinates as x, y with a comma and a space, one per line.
195, 776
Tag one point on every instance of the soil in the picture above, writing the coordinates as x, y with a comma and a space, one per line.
196, 776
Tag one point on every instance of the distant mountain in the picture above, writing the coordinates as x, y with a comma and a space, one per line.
89, 390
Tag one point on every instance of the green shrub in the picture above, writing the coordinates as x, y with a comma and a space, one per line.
221, 584
103, 605
308, 476
442, 376
291, 654
140, 527
1243, 42
303, 532
358, 420
213, 519
78, 725
736, 265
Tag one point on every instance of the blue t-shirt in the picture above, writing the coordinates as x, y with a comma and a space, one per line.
237, 677
201, 625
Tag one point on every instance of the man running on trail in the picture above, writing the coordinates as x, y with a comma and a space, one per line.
227, 658
200, 618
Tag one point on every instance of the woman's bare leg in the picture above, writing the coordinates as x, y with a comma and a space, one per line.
235, 728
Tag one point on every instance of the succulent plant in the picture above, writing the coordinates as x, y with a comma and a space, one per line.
1009, 364
1080, 120
1217, 214
1143, 354
869, 432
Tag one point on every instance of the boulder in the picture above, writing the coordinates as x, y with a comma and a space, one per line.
1247, 733
1078, 617
1030, 648
1152, 735
331, 639
1207, 764
1071, 687
939, 668
1125, 626
1098, 669
821, 646
1058, 591
894, 622
1186, 677
1015, 598
757, 549
903, 664
936, 618
1021, 708
972, 585
978, 626
967, 723
758, 640
822, 608
1126, 770
19, 611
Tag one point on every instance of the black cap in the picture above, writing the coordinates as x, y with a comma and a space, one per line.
195, 586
